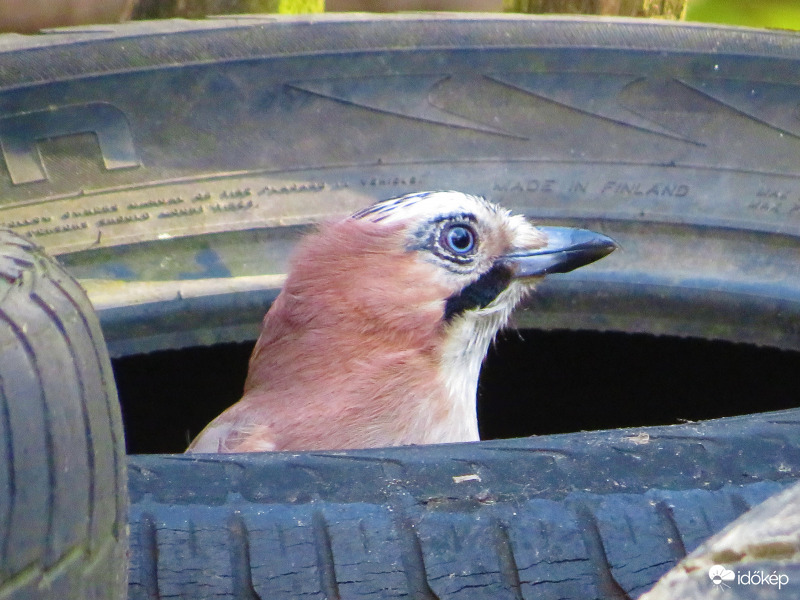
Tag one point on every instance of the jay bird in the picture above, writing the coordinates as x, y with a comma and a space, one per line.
378, 335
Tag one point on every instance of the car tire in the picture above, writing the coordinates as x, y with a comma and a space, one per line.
598, 514
171, 165
63, 488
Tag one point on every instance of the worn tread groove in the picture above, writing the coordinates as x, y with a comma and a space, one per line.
59, 323
674, 537
107, 401
148, 542
413, 559
66, 561
110, 402
241, 572
509, 571
607, 586
48, 434
12, 486
324, 554
47, 576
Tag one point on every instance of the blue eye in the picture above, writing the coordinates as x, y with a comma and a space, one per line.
459, 239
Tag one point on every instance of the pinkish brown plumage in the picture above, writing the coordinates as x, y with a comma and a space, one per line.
378, 334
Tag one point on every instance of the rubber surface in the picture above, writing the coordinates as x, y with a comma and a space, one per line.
63, 498
587, 515
184, 158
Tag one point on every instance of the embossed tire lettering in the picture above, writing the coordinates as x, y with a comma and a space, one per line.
20, 133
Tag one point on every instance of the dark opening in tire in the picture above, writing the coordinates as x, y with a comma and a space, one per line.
533, 383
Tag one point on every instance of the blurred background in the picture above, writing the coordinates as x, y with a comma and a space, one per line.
26, 16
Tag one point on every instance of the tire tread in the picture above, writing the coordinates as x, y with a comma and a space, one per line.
562, 516
58, 409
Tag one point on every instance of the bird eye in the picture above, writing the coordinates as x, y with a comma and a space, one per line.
459, 239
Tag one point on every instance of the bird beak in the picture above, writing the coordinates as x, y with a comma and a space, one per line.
567, 249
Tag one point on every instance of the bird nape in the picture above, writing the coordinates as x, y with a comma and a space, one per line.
378, 335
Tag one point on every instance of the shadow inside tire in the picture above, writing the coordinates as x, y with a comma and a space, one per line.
533, 383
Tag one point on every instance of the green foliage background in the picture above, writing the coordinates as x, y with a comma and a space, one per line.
776, 14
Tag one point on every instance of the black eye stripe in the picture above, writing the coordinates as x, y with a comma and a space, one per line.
479, 294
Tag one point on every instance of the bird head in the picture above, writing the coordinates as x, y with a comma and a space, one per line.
484, 260
483, 257
378, 335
